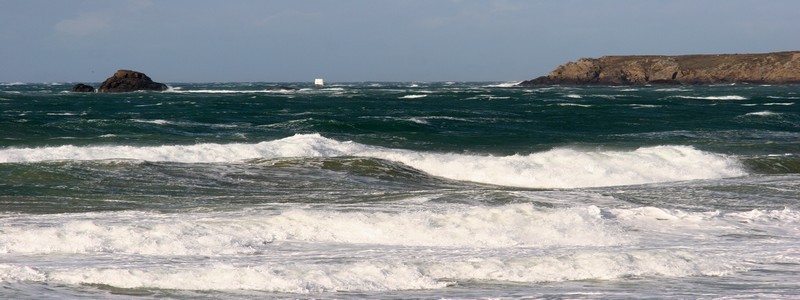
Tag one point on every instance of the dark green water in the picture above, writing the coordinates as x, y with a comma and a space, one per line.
400, 190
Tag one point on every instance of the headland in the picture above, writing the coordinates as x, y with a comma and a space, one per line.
762, 68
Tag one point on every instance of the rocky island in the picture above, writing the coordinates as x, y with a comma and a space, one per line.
765, 68
123, 81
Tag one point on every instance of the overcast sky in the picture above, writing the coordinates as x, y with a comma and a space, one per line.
368, 40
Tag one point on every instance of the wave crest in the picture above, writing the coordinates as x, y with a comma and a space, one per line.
556, 168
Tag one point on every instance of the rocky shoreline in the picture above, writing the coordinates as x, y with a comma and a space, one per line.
764, 68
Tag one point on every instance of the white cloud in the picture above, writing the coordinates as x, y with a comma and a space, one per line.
84, 25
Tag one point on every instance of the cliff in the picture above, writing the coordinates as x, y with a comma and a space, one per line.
766, 68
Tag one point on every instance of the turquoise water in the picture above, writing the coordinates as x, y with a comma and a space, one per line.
400, 190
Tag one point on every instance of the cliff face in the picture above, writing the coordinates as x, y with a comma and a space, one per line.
767, 68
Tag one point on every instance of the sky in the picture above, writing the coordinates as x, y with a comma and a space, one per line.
368, 40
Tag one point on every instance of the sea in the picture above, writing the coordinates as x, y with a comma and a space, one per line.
401, 190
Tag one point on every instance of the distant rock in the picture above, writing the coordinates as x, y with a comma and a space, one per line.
128, 81
82, 88
766, 68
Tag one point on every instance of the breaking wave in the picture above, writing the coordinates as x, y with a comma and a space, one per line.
556, 168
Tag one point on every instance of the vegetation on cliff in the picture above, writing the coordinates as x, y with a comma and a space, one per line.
766, 68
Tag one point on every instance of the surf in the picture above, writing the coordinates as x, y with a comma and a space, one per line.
555, 168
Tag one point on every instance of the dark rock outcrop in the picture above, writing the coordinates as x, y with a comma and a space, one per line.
129, 81
82, 88
766, 68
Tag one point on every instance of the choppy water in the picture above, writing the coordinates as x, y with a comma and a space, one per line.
400, 190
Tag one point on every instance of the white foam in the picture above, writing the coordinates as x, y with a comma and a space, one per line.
12, 83
783, 97
310, 251
285, 277
392, 273
779, 103
557, 168
573, 96
518, 225
729, 97
207, 91
224, 91
765, 113
12, 273
710, 224
412, 96
637, 106
419, 121
157, 122
504, 84
574, 104
584, 265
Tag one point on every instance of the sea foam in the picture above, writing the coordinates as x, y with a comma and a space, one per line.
728, 97
556, 168
394, 273
138, 233
765, 113
512, 243
504, 84
413, 96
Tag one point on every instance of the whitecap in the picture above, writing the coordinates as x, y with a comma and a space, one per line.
636, 106
789, 98
208, 91
419, 121
672, 90
504, 84
765, 113
148, 105
157, 122
728, 97
574, 104
412, 96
